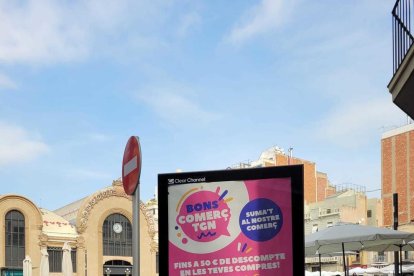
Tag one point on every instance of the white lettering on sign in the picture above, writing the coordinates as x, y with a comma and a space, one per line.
130, 166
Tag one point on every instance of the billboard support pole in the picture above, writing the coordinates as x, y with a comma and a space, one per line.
135, 232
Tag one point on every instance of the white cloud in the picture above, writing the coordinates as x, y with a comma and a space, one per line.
39, 31
47, 31
351, 125
175, 106
99, 137
7, 83
265, 17
17, 145
188, 22
87, 174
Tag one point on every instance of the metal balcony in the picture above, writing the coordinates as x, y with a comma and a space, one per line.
401, 85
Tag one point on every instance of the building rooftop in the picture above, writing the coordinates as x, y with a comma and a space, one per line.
70, 211
396, 131
56, 226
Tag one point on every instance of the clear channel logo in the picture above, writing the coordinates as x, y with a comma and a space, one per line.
186, 180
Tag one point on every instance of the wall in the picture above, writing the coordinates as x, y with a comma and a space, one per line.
397, 167
310, 180
357, 212
322, 185
322, 222
349, 206
33, 227
99, 208
89, 220
375, 206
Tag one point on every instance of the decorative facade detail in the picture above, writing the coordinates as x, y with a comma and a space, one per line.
82, 220
80, 242
115, 190
43, 240
58, 223
154, 246
117, 182
149, 218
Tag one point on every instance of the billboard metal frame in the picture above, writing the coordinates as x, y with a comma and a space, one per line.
294, 172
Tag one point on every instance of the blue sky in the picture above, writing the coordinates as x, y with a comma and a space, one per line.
205, 84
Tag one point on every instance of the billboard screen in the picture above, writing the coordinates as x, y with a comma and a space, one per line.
232, 222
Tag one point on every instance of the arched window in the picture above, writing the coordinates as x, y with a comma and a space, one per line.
117, 236
15, 245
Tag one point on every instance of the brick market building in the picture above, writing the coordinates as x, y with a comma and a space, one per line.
98, 229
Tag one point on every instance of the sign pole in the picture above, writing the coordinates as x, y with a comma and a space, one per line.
395, 227
135, 232
131, 172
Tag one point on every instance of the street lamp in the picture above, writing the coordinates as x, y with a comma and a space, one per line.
108, 271
127, 272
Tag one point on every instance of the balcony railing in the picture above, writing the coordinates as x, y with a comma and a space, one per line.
380, 259
401, 31
328, 212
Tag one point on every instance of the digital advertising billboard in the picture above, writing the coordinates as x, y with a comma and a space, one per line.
233, 222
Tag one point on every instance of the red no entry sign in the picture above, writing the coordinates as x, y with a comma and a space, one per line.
131, 165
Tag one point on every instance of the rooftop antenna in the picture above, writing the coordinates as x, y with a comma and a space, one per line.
290, 150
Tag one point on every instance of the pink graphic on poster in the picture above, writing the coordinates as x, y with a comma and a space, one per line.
204, 217
231, 228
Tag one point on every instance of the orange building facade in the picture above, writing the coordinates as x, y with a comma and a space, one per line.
397, 155
316, 184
